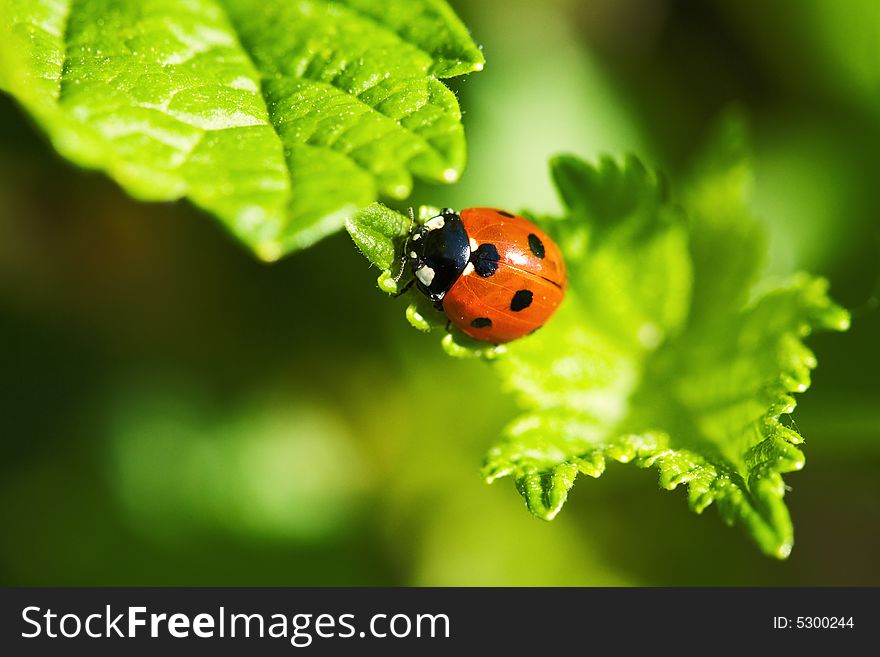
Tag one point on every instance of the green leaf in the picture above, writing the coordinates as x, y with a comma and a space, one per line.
376, 230
664, 354
278, 117
667, 352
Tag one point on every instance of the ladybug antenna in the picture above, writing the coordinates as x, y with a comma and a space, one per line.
412, 220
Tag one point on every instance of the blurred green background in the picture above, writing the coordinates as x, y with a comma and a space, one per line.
174, 412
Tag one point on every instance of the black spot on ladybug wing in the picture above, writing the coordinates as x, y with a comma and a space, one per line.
505, 213
521, 300
536, 245
485, 260
481, 322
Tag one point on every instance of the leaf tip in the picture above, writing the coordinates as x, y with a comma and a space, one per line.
551, 514
450, 175
463, 347
387, 283
783, 550
416, 319
451, 347
840, 320
269, 251
493, 472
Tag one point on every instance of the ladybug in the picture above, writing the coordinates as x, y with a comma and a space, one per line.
496, 275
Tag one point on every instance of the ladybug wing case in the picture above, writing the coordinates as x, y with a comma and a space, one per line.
506, 306
519, 242
517, 281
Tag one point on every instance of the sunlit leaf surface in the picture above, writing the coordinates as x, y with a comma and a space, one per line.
278, 117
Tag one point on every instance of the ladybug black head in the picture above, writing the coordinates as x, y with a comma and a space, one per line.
438, 252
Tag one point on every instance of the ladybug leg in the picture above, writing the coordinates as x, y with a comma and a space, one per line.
449, 326
405, 288
402, 266
402, 260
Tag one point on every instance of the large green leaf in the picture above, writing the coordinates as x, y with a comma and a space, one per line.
664, 353
277, 117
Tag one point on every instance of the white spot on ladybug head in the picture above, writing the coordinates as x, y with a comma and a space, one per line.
417, 237
436, 223
474, 245
425, 275
469, 269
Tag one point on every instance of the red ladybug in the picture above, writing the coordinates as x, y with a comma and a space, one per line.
496, 275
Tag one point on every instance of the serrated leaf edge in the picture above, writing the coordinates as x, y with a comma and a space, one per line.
764, 513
